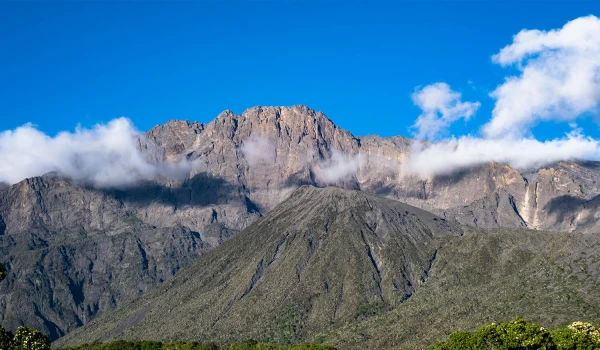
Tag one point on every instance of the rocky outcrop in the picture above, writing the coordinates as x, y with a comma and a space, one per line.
73, 251
296, 145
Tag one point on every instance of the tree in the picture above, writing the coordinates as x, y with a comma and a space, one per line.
577, 336
30, 339
6, 339
522, 335
517, 334
460, 341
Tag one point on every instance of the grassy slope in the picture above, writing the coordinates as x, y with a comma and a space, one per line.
316, 261
337, 266
484, 277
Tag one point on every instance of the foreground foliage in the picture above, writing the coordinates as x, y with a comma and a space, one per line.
520, 334
24, 339
516, 335
152, 345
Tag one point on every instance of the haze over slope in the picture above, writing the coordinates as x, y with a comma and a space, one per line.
271, 150
313, 261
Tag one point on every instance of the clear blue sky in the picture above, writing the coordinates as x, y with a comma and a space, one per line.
86, 62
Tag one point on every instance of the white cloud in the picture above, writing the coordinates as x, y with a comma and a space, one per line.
441, 107
104, 156
258, 150
523, 154
338, 167
559, 77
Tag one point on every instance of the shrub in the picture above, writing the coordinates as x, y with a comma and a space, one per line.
522, 335
30, 339
460, 341
6, 339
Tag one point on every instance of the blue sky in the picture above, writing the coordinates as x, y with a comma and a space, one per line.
64, 64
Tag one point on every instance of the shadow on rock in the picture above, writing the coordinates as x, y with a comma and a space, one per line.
199, 191
566, 207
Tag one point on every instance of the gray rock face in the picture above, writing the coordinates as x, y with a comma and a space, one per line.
301, 146
73, 251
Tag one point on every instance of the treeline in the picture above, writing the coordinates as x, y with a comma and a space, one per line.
522, 335
516, 335
24, 338
152, 345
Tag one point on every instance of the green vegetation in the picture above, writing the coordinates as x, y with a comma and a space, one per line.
371, 309
482, 277
152, 345
313, 264
29, 339
522, 335
24, 339
545, 277
515, 335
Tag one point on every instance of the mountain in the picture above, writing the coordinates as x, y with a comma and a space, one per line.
359, 271
317, 259
74, 250
297, 145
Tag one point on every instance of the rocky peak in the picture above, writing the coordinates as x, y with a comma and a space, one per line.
170, 140
176, 127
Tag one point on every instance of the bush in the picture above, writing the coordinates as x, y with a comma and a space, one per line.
6, 339
522, 335
459, 341
518, 334
30, 339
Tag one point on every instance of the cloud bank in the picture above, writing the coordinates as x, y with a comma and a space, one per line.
103, 156
558, 80
523, 154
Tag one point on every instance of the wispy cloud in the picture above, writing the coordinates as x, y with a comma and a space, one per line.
337, 168
104, 156
441, 107
258, 150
